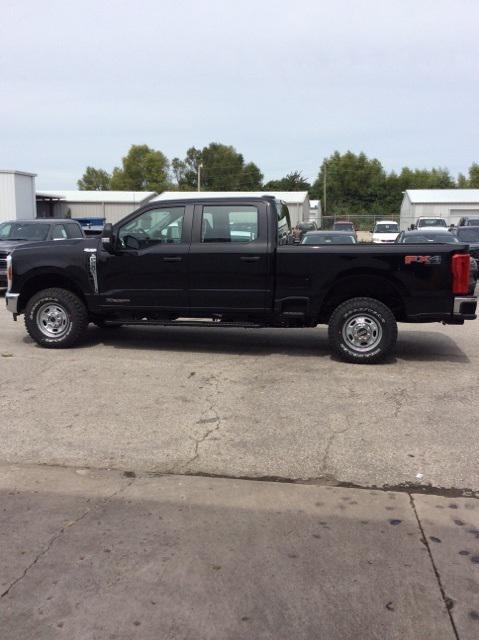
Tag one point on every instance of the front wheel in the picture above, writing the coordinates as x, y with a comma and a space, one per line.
56, 318
362, 330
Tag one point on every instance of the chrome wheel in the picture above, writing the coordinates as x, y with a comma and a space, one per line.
362, 333
53, 320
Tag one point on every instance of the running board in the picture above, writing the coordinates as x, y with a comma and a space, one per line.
188, 323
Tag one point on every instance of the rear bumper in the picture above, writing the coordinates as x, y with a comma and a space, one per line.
11, 300
465, 308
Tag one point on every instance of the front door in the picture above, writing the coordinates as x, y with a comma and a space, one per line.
229, 261
150, 266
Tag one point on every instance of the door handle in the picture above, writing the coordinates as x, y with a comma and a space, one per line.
250, 258
173, 259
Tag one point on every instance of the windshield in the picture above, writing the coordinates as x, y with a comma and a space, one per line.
468, 235
346, 226
23, 231
423, 238
432, 222
306, 226
389, 227
328, 238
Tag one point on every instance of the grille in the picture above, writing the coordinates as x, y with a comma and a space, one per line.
3, 260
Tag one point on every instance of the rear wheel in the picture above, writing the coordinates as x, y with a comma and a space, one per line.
56, 318
362, 330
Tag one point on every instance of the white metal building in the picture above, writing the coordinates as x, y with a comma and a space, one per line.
110, 205
297, 201
450, 204
315, 211
17, 195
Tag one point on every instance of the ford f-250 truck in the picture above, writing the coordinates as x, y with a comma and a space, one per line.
230, 262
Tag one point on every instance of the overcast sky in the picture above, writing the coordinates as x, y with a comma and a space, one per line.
285, 82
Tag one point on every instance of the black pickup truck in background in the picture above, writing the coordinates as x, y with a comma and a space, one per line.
230, 262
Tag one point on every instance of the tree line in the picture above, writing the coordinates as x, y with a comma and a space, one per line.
353, 183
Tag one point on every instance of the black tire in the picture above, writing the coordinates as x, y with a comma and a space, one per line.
102, 324
362, 330
69, 314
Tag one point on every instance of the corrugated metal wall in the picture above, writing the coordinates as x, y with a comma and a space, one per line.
7, 196
112, 212
450, 212
17, 196
25, 197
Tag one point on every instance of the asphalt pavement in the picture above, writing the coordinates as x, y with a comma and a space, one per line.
266, 403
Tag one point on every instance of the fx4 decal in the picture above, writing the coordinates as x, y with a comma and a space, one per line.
422, 259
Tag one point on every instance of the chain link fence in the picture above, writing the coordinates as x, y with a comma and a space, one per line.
362, 222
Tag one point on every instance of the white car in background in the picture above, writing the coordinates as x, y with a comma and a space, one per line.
385, 232
430, 222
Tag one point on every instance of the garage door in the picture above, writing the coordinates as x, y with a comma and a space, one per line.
456, 214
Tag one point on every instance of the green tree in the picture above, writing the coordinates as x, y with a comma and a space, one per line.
251, 178
293, 181
222, 169
143, 169
354, 184
94, 180
474, 176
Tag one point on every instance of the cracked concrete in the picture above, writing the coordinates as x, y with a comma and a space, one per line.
212, 399
133, 400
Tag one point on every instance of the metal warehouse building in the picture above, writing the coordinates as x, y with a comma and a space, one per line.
17, 195
110, 205
450, 204
297, 201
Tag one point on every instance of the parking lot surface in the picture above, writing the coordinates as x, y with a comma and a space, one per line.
245, 403
109, 556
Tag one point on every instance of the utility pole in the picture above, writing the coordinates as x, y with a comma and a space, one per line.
200, 166
324, 189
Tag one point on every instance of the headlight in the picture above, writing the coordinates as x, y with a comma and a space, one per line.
9, 271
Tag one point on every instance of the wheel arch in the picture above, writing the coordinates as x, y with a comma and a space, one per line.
366, 284
47, 280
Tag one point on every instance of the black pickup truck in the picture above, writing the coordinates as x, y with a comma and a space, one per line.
231, 262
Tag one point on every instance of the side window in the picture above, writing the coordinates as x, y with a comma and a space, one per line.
229, 223
59, 232
5, 230
152, 227
73, 231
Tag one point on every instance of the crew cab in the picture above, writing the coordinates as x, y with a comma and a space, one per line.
230, 262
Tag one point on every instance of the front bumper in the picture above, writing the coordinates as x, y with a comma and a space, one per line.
11, 300
465, 308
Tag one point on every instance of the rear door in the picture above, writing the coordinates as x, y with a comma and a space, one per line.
230, 266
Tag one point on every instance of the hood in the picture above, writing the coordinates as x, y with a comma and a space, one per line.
51, 245
385, 236
9, 245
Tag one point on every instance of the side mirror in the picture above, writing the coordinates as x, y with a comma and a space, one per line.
108, 238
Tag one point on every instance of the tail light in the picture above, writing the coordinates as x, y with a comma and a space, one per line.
460, 273
9, 271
